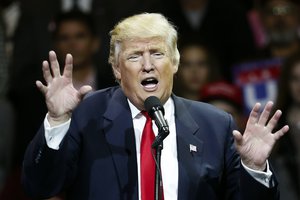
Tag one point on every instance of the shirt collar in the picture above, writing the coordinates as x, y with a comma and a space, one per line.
168, 106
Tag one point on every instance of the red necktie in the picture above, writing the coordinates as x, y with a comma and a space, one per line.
147, 161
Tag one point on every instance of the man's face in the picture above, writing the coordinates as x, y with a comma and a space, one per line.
73, 37
145, 69
281, 20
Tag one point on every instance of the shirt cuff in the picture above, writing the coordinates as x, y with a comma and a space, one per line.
264, 177
54, 135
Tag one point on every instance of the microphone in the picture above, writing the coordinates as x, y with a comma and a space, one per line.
156, 111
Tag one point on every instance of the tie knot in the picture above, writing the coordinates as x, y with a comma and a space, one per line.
145, 113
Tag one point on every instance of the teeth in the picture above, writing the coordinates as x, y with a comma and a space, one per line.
149, 81
150, 85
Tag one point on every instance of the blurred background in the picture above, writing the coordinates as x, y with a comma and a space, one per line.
233, 54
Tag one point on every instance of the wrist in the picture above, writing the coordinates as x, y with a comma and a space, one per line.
57, 120
253, 166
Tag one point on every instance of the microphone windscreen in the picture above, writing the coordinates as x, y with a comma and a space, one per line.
153, 104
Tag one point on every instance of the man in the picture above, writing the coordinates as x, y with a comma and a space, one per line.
93, 150
281, 22
74, 32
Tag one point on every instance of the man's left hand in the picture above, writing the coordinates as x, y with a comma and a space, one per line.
257, 142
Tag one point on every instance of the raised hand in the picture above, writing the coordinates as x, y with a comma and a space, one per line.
257, 142
60, 95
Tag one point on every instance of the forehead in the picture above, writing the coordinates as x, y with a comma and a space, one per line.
130, 45
193, 51
71, 26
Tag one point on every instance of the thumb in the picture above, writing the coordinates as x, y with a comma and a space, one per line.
237, 137
84, 90
41, 87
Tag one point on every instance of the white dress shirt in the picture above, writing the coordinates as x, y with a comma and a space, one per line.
54, 136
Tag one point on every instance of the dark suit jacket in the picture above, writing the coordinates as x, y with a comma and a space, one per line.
97, 158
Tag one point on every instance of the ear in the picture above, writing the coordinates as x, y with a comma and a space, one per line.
175, 68
117, 72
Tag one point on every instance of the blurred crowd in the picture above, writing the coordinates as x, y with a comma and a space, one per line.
233, 54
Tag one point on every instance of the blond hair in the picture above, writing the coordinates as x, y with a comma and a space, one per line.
142, 26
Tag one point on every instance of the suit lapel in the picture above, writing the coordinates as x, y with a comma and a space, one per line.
189, 150
118, 128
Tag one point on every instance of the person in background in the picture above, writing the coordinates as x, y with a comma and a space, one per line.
223, 25
281, 22
74, 32
198, 66
226, 96
258, 75
286, 157
96, 147
6, 109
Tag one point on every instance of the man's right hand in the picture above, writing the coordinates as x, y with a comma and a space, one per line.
60, 95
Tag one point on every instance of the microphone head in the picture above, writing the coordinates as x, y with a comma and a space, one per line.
153, 104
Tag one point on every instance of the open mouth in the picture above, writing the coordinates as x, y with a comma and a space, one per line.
149, 83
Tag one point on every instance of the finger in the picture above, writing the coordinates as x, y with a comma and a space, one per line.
281, 132
54, 64
46, 72
238, 137
68, 70
265, 114
273, 121
84, 90
253, 117
41, 87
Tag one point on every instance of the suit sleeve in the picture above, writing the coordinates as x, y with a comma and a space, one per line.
46, 172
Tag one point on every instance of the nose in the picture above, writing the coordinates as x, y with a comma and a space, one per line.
147, 63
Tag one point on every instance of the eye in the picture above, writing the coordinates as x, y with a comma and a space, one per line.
158, 54
133, 57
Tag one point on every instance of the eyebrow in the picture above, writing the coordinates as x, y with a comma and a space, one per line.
150, 48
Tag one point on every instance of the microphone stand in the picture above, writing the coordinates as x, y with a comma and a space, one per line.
158, 182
